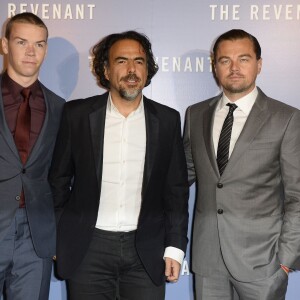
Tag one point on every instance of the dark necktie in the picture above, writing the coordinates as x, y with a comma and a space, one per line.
224, 140
22, 133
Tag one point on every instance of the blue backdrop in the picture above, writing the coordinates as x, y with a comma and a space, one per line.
182, 32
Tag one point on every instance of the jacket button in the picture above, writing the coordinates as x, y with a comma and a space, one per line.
24, 171
220, 185
17, 198
220, 211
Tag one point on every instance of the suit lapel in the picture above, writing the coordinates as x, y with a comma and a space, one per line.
46, 126
152, 132
4, 130
208, 117
255, 121
97, 126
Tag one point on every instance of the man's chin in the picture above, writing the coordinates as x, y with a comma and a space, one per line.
237, 89
129, 96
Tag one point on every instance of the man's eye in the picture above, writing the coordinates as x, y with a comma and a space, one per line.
224, 61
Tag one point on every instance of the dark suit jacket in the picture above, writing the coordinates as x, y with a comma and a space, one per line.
32, 176
77, 163
248, 218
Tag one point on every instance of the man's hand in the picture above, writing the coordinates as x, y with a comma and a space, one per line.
172, 269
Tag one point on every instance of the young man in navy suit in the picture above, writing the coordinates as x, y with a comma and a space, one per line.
29, 120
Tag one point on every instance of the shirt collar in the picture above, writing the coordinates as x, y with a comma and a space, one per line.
244, 104
112, 109
15, 88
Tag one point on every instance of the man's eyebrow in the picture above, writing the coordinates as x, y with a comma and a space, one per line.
222, 57
139, 58
42, 41
247, 54
121, 57
18, 37
126, 58
241, 55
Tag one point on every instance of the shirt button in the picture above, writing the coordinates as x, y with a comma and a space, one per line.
17, 198
220, 185
24, 171
220, 211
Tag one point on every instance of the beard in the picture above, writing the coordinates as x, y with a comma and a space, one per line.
238, 88
130, 94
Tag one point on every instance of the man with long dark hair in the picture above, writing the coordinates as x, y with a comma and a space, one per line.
119, 181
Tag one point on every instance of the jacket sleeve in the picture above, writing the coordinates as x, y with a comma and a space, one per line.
62, 170
177, 194
188, 149
289, 241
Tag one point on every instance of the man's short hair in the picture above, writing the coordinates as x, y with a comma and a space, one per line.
26, 18
237, 34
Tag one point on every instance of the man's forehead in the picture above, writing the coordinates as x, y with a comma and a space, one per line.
27, 28
235, 46
127, 45
235, 43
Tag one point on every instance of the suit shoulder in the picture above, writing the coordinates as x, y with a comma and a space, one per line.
203, 104
85, 103
279, 106
52, 95
273, 105
81, 102
160, 108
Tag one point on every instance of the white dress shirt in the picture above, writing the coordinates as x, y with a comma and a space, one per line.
124, 153
240, 115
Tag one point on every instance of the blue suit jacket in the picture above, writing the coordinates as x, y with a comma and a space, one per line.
33, 176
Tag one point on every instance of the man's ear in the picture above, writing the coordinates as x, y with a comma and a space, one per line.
259, 65
4, 44
106, 72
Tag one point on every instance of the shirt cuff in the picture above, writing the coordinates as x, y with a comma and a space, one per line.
286, 269
174, 253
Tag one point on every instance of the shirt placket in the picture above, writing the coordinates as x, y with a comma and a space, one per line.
124, 149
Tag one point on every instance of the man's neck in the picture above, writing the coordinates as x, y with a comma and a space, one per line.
126, 107
24, 81
236, 96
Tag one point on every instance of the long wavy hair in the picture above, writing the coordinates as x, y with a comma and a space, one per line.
101, 55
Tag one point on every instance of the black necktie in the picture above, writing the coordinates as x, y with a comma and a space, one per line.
224, 141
